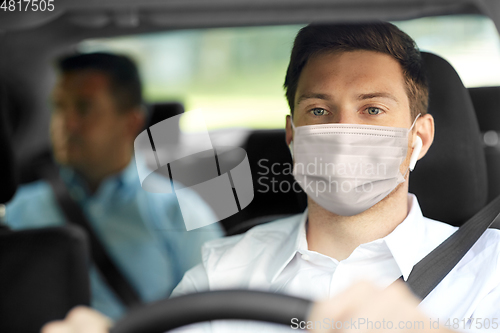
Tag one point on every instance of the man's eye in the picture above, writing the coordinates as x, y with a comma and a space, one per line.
318, 112
57, 107
83, 108
373, 111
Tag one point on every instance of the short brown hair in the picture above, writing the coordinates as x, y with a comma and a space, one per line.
380, 37
123, 72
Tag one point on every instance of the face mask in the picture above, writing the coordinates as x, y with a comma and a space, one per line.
348, 168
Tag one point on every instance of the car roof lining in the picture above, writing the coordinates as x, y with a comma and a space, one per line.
74, 20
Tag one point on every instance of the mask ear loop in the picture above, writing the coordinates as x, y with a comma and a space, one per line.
290, 146
414, 122
417, 146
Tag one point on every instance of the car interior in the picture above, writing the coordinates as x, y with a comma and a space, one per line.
457, 179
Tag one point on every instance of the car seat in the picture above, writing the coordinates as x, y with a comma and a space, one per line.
486, 101
451, 180
276, 194
43, 272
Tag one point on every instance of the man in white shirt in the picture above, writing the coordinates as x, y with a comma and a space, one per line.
353, 90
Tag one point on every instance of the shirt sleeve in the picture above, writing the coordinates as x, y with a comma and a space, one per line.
486, 317
33, 206
195, 280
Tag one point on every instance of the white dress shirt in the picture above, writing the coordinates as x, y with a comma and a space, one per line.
274, 257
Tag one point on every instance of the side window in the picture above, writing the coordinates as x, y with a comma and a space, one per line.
469, 42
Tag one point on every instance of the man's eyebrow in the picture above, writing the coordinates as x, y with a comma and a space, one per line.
313, 95
379, 95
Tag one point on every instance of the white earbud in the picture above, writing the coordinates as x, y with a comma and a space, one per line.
417, 147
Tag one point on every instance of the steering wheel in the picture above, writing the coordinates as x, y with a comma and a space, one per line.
172, 313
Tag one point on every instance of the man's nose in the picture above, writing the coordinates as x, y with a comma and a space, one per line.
345, 115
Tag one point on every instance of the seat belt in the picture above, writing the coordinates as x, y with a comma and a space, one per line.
433, 268
74, 214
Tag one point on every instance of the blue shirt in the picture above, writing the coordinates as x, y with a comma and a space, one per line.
143, 232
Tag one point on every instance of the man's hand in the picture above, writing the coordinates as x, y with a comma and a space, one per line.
80, 320
365, 307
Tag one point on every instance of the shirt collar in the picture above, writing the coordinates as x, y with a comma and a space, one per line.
129, 177
402, 241
126, 179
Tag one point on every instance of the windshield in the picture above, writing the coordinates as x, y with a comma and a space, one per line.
235, 75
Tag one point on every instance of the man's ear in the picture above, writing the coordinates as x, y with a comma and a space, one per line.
425, 130
289, 130
136, 121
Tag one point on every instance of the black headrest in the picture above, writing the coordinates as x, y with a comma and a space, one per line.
161, 111
7, 175
275, 192
486, 101
450, 181
44, 275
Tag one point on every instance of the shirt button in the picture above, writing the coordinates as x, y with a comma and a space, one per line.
306, 257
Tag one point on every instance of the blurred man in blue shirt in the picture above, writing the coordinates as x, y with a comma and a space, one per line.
97, 114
